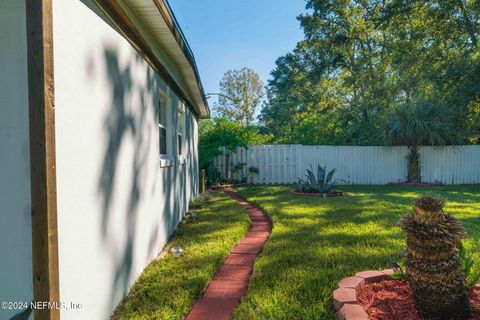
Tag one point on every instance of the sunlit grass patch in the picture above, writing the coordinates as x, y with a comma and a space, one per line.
169, 287
316, 242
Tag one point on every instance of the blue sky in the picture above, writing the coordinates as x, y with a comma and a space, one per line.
227, 34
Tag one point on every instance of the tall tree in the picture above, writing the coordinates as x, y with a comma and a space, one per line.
241, 93
362, 59
219, 136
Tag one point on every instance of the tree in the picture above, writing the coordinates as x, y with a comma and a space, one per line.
361, 60
241, 93
338, 68
220, 136
422, 124
433, 266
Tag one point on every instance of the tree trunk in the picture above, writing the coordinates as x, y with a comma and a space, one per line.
227, 167
414, 169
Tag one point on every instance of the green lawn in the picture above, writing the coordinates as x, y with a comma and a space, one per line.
168, 288
316, 242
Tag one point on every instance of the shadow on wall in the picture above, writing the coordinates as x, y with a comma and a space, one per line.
132, 104
192, 144
24, 315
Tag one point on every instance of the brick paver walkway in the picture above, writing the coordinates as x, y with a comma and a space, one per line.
230, 282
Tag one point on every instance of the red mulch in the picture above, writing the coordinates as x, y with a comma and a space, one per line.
392, 299
417, 184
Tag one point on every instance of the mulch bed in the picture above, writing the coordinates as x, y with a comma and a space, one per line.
416, 184
226, 186
392, 299
221, 186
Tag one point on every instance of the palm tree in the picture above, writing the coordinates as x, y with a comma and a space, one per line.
433, 265
416, 125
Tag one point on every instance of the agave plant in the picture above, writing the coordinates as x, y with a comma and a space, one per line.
319, 183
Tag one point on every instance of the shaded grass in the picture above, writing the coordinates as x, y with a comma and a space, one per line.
168, 288
316, 242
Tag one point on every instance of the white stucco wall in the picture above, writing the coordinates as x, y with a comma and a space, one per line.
15, 209
116, 205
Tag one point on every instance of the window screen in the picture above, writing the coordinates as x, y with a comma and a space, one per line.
163, 140
162, 127
180, 144
180, 130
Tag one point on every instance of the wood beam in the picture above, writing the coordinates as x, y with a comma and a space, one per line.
42, 156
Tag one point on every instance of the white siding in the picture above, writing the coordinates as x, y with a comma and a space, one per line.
116, 206
280, 164
15, 212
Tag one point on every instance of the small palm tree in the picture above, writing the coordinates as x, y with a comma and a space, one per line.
416, 125
433, 266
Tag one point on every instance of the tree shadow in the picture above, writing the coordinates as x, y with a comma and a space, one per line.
132, 103
128, 124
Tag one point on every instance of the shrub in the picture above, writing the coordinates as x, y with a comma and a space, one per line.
214, 177
399, 272
433, 266
200, 200
469, 267
252, 171
238, 167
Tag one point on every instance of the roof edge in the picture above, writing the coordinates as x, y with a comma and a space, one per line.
168, 16
133, 35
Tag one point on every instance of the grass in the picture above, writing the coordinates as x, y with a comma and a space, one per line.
169, 287
316, 242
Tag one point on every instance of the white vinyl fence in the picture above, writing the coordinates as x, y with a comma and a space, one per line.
282, 164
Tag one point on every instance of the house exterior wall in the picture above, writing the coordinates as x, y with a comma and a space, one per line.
15, 212
117, 206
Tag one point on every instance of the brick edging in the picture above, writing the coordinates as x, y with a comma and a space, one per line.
230, 282
345, 296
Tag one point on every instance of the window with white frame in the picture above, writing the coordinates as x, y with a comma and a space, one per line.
162, 126
181, 130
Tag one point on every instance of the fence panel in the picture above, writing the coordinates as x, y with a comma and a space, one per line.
451, 165
283, 164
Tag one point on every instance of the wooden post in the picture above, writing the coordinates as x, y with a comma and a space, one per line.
42, 157
203, 185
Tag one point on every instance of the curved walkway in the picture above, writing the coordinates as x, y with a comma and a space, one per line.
230, 282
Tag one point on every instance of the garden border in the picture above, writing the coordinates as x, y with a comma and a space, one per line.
345, 296
230, 282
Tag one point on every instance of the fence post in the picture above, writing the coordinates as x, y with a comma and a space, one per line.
203, 186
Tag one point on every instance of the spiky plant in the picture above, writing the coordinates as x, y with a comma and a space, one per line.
433, 266
320, 183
